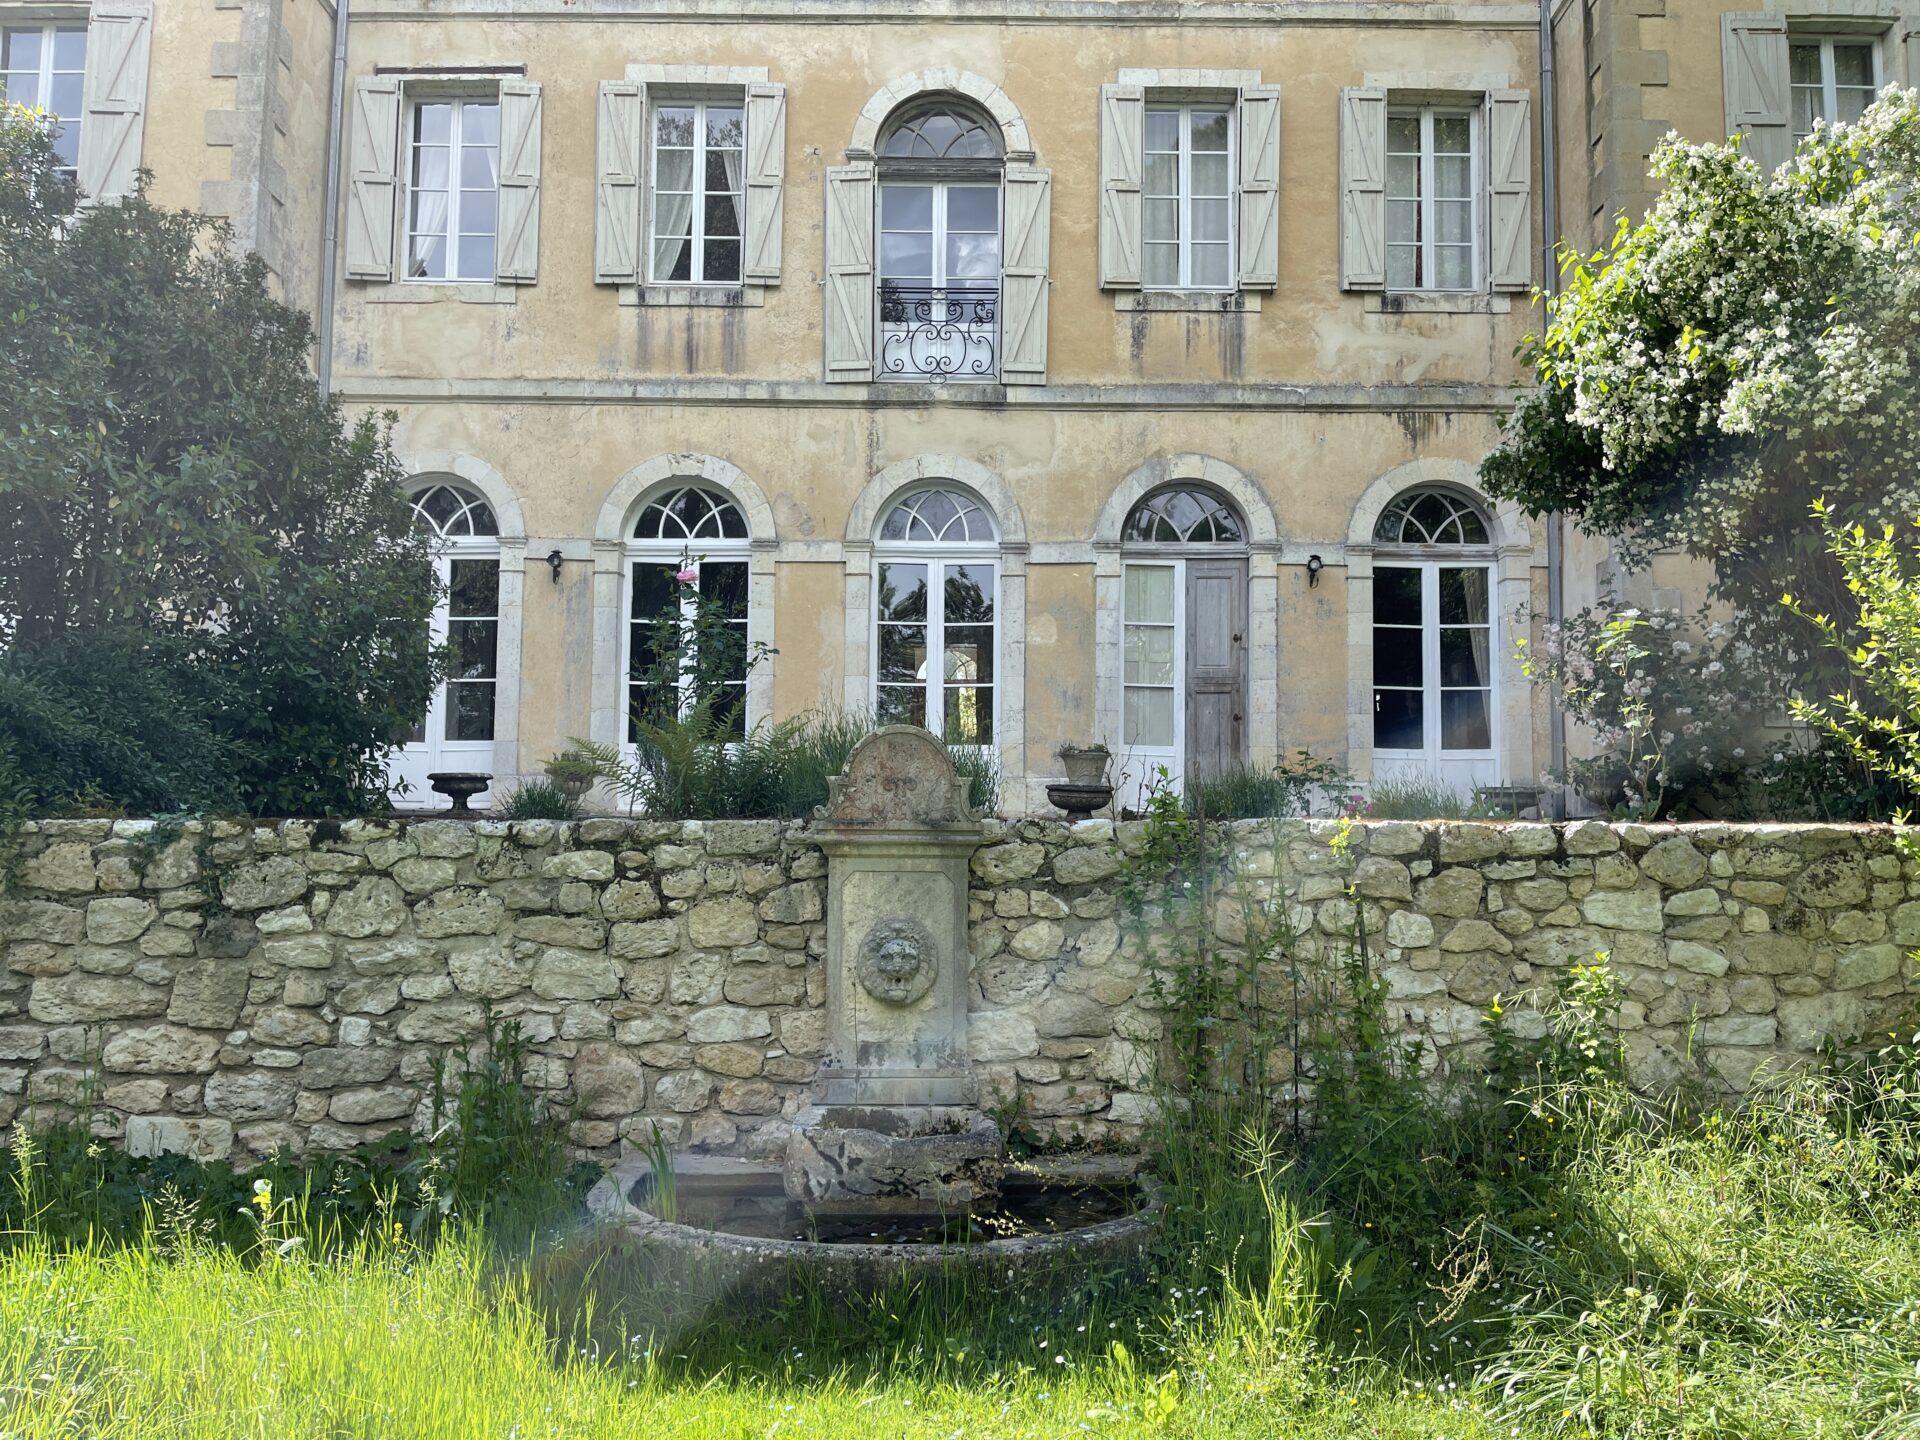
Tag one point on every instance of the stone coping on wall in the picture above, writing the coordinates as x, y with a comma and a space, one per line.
229, 988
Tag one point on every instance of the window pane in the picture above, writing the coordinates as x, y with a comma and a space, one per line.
477, 213
1403, 222
1403, 175
1853, 66
480, 124
66, 143
969, 717
675, 125
63, 100
477, 166
1464, 657
723, 260
474, 588
906, 257
70, 50
476, 257
1452, 134
900, 705
1453, 221
470, 711
1403, 267
1396, 595
1162, 265
724, 582
1210, 266
1403, 134
1463, 720
969, 597
1463, 597
724, 126
967, 653
1452, 176
1149, 655
672, 260
430, 167
1209, 131
1149, 594
655, 592
903, 652
1163, 175
903, 592
1210, 220
1162, 219
1453, 267
1399, 720
433, 124
1163, 130
723, 215
1806, 108
1209, 175
673, 170
21, 51
1397, 656
971, 207
1149, 718
973, 257
474, 643
1803, 62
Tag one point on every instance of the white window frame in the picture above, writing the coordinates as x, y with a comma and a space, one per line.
1429, 561
409, 142
1184, 200
697, 238
692, 553
47, 30
1829, 85
1476, 189
936, 555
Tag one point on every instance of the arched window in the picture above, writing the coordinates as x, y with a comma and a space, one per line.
457, 730
1184, 628
939, 264
935, 601
687, 589
1433, 637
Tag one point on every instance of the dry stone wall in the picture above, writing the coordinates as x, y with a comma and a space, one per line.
235, 988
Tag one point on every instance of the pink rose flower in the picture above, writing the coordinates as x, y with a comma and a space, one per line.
687, 576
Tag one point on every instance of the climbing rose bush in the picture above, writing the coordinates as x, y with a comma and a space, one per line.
1751, 344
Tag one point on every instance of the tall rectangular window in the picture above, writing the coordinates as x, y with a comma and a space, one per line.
1150, 620
453, 187
44, 67
713, 659
473, 635
1834, 79
1432, 220
1187, 197
699, 192
935, 624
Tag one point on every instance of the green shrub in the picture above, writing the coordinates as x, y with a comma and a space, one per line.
538, 798
1410, 797
1242, 792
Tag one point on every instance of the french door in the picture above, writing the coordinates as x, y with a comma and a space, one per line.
1434, 634
939, 281
1184, 668
457, 733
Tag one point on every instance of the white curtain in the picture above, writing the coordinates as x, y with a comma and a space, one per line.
429, 230
672, 230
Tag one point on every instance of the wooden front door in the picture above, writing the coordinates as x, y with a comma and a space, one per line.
1216, 665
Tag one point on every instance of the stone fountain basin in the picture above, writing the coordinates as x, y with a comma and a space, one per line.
721, 1261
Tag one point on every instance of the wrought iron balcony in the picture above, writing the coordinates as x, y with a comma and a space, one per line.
937, 333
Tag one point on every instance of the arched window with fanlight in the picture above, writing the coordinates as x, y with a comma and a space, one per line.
1434, 638
1184, 634
936, 596
940, 167
458, 728
687, 553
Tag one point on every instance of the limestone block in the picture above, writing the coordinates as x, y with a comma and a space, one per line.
797, 904
1699, 959
44, 921
283, 1025
372, 905
578, 865
644, 939
1690, 903
765, 985
161, 1050
1037, 940
1381, 878
198, 1139
1849, 927
250, 1095
461, 910
443, 839
578, 932
118, 919
22, 1042
1865, 965
1675, 863
1471, 842
1455, 892
1403, 982
1773, 954
1067, 1098
1086, 865
373, 1103
685, 1091
697, 980
575, 975
442, 1021
1395, 837
1833, 882
734, 1059
1624, 909
424, 987
209, 993
337, 1066
77, 997
1473, 936
629, 900
720, 924
1739, 1029
489, 969
1001, 1035
803, 1032
65, 868
727, 1022
749, 1097
1539, 894
1807, 1020
742, 837
997, 865
1590, 837
1059, 1016
1615, 872
1479, 979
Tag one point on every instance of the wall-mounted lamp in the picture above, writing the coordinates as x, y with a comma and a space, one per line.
1314, 566
554, 561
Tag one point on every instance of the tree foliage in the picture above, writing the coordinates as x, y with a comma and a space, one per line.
184, 520
1750, 345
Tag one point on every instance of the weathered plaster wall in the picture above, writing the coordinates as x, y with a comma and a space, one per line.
670, 974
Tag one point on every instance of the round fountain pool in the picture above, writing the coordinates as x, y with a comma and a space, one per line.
1057, 1221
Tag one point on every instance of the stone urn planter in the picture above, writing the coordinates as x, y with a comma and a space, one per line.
573, 772
1086, 765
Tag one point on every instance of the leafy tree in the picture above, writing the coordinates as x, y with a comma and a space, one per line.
184, 522
1750, 345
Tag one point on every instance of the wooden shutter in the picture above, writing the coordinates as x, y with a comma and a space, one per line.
1363, 189
766, 181
1753, 61
849, 299
1216, 678
373, 185
1906, 69
616, 200
518, 258
1123, 121
119, 35
1259, 187
1023, 294
1509, 190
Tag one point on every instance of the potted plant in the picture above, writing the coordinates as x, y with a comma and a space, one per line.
1086, 764
573, 772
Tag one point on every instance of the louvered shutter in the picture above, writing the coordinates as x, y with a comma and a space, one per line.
517, 260
1122, 139
1753, 59
849, 292
119, 35
766, 181
1023, 297
1363, 189
1259, 187
373, 183
1509, 190
616, 201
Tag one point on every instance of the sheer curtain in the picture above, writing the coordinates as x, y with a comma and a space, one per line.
429, 231
672, 231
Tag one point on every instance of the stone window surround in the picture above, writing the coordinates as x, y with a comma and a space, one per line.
1514, 560
859, 566
863, 144
703, 82
422, 468
609, 558
1263, 596
1191, 85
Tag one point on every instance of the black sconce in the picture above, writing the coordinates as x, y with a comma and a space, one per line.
1314, 566
554, 562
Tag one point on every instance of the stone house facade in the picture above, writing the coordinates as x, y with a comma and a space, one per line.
1040, 370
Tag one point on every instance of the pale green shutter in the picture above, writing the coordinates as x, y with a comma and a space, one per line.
1509, 190
1753, 52
1023, 297
1259, 187
518, 258
1363, 189
119, 36
848, 330
766, 181
373, 178
616, 199
1122, 139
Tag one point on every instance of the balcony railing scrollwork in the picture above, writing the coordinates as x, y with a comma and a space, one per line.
936, 333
